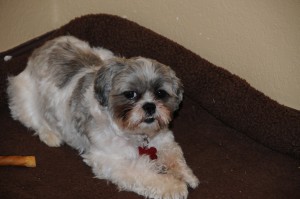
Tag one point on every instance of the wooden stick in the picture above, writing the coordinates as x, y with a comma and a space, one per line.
26, 161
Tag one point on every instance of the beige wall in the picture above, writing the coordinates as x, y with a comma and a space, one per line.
259, 40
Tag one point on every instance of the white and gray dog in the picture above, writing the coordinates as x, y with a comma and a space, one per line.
115, 111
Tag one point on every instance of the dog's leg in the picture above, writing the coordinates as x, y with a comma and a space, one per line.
22, 100
22, 94
137, 175
171, 157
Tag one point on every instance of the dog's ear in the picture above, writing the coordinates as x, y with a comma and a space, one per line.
104, 79
177, 89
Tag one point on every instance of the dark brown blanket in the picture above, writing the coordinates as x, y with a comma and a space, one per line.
240, 143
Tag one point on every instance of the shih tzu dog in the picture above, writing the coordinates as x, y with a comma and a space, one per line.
115, 111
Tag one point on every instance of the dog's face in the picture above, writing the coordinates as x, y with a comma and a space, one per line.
141, 94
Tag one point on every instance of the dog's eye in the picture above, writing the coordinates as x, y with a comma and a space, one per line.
130, 94
161, 94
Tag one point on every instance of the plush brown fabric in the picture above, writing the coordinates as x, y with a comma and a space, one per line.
240, 143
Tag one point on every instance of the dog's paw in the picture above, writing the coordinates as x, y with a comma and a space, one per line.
174, 189
50, 138
192, 181
163, 187
183, 173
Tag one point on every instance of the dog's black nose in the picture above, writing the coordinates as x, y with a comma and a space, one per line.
149, 108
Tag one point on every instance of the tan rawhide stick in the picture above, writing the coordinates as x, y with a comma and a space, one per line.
26, 161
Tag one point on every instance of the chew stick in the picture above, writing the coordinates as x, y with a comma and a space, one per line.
26, 161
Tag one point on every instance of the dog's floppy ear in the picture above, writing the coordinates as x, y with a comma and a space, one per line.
104, 78
177, 88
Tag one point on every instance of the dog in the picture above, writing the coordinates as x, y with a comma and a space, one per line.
115, 111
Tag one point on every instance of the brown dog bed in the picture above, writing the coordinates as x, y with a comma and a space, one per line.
240, 143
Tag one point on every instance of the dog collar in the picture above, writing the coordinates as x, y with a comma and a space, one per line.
151, 152
145, 150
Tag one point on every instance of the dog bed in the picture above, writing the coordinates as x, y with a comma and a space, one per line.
239, 142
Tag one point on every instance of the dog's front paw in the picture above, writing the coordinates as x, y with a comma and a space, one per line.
186, 174
192, 181
179, 170
169, 188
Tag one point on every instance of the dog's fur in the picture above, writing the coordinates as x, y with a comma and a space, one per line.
106, 107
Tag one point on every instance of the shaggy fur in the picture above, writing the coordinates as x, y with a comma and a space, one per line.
105, 107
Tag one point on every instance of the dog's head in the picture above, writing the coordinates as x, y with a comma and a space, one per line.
141, 94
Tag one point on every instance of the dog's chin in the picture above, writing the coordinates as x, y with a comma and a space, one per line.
147, 125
